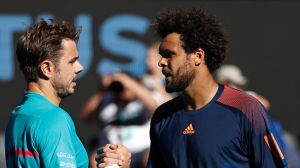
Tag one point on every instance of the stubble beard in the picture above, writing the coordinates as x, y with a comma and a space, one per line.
181, 79
63, 92
61, 87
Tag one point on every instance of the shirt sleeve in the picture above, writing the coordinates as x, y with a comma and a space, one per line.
55, 141
264, 147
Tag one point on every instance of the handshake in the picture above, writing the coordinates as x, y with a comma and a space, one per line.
113, 156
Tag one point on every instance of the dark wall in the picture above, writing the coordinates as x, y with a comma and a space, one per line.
263, 41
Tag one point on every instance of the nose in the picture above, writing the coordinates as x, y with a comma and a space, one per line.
162, 62
78, 67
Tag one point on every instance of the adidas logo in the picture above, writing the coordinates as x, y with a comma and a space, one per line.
189, 130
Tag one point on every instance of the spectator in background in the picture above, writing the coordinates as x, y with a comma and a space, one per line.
122, 111
232, 76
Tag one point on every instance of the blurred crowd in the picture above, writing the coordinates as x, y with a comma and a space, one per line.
123, 107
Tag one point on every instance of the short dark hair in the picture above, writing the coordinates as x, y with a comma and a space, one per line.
197, 29
42, 41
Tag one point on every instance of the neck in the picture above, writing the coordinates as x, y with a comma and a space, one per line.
45, 89
200, 92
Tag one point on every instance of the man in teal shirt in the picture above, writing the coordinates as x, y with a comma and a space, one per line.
40, 133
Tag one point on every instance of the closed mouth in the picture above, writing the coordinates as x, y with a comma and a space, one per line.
166, 73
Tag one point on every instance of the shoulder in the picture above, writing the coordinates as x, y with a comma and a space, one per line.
249, 106
54, 121
37, 108
167, 109
40, 114
53, 128
238, 99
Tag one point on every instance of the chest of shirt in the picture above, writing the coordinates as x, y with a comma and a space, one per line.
204, 134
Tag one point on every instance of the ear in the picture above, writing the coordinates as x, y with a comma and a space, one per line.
47, 69
199, 56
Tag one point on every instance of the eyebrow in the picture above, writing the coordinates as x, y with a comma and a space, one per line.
164, 52
74, 59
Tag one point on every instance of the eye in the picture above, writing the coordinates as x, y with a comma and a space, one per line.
73, 60
166, 54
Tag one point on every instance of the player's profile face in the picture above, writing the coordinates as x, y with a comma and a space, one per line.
64, 81
175, 64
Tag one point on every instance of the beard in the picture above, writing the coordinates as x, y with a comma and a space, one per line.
181, 79
62, 86
62, 91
